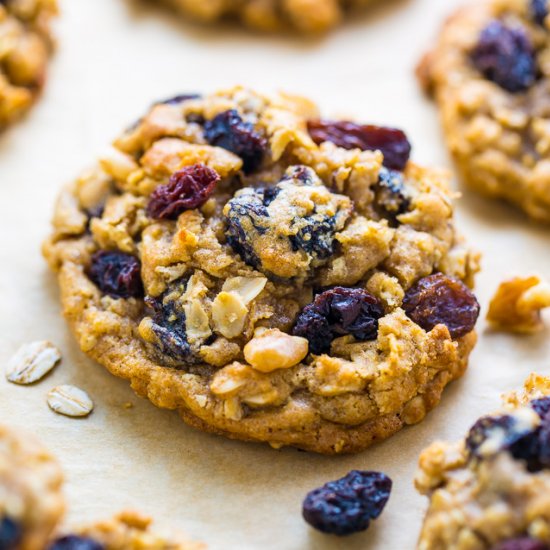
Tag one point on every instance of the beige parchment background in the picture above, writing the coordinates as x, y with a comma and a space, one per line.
113, 59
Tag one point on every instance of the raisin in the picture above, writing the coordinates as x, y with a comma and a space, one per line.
539, 10
393, 143
391, 196
439, 299
10, 534
348, 505
75, 542
170, 329
541, 406
229, 131
505, 56
178, 99
337, 312
187, 189
116, 274
524, 543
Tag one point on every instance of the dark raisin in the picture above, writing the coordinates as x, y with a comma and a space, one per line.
541, 406
176, 100
228, 130
523, 543
439, 299
76, 542
187, 189
169, 327
391, 196
392, 142
10, 534
539, 10
348, 505
505, 56
116, 274
337, 312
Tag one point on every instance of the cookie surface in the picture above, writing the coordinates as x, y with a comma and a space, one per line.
491, 490
307, 16
31, 502
26, 46
238, 266
489, 75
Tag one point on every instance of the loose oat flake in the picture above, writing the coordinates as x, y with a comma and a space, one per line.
70, 401
32, 362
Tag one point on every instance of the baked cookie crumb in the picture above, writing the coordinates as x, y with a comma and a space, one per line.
517, 305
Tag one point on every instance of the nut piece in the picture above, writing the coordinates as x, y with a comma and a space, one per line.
70, 401
272, 349
32, 362
517, 305
229, 314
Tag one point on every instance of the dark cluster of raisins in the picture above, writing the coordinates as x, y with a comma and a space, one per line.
439, 299
116, 274
532, 445
170, 329
539, 10
229, 131
75, 542
348, 505
392, 142
10, 534
505, 55
187, 189
392, 198
338, 312
523, 543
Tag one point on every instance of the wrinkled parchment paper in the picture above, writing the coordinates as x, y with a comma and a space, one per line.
116, 57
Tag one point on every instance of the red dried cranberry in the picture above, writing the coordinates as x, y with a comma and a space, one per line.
116, 274
348, 505
187, 189
392, 142
10, 534
523, 543
539, 10
229, 131
506, 56
439, 299
76, 542
337, 312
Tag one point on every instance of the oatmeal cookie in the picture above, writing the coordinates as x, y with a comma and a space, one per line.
490, 75
31, 503
25, 47
270, 275
306, 16
492, 489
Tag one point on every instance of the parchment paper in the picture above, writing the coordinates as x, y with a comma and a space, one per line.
116, 57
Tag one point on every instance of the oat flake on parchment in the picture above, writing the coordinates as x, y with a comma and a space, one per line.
70, 401
32, 362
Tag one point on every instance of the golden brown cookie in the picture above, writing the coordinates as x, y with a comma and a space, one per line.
31, 502
306, 16
489, 75
492, 489
270, 275
25, 46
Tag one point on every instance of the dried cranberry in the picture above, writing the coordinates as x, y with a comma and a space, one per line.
176, 100
228, 130
539, 10
348, 505
76, 542
10, 533
337, 312
187, 189
392, 142
116, 274
523, 543
506, 56
439, 299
